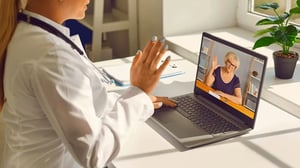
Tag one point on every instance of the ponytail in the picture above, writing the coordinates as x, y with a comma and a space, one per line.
8, 21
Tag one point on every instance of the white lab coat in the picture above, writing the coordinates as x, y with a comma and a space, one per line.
58, 113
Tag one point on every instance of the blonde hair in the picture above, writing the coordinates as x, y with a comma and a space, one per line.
8, 21
234, 56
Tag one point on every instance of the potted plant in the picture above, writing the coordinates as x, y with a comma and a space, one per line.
282, 33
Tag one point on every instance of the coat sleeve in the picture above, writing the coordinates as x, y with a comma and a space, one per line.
65, 93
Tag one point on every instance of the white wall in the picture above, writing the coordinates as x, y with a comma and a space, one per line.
150, 14
177, 17
190, 16
244, 19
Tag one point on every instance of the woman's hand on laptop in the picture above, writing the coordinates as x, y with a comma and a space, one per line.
158, 102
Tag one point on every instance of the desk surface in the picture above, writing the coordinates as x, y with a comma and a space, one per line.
274, 142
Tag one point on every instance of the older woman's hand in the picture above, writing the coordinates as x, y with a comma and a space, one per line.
144, 72
214, 63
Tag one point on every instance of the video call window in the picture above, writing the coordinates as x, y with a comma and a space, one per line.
249, 70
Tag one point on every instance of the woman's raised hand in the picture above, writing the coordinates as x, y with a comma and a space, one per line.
144, 72
214, 62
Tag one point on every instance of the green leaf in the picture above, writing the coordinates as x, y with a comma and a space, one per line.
263, 42
266, 6
284, 16
283, 39
264, 22
273, 19
264, 31
268, 21
286, 36
291, 30
295, 10
297, 40
298, 3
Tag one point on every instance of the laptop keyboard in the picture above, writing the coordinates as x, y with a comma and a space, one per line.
202, 116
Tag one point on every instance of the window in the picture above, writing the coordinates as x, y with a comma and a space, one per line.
284, 5
248, 15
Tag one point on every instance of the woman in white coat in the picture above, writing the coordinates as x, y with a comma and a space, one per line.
54, 103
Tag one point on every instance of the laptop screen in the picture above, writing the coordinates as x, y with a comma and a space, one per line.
230, 76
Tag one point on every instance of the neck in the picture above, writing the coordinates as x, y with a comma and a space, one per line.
225, 71
46, 9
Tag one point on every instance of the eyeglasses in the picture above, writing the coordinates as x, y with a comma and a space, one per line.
230, 63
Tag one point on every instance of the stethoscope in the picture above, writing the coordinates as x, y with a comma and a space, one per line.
49, 28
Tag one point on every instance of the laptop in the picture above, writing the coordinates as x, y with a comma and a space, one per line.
205, 117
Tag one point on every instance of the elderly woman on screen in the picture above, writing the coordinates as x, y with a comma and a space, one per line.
223, 78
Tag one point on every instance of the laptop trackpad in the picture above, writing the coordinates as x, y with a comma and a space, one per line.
180, 127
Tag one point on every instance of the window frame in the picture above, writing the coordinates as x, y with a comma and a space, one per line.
245, 19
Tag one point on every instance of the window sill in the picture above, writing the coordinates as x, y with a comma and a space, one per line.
281, 93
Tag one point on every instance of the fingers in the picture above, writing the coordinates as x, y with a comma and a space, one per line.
157, 59
164, 65
157, 105
148, 48
137, 57
154, 51
168, 102
159, 101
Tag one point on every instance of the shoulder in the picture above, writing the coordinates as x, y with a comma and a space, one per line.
217, 70
43, 50
236, 78
36, 42
236, 81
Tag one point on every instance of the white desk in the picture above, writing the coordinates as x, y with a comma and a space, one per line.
275, 141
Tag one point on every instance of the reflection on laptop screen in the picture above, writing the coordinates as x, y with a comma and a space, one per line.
230, 76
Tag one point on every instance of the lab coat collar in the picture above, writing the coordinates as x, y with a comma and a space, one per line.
61, 28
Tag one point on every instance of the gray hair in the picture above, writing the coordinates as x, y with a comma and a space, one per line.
234, 56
